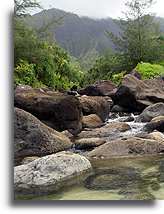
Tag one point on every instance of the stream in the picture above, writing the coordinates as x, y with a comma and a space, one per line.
136, 127
125, 178
140, 178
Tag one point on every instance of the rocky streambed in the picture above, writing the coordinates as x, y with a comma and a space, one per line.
92, 146
135, 178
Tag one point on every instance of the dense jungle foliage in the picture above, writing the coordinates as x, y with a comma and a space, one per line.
41, 62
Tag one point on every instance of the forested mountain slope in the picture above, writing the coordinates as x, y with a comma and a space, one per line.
82, 37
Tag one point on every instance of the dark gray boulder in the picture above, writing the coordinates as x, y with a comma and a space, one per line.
33, 138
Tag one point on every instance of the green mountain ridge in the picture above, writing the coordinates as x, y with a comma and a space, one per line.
82, 37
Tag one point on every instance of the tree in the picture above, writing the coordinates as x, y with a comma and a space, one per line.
138, 37
105, 67
39, 62
161, 42
22, 6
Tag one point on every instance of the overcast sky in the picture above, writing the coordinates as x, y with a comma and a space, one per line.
96, 8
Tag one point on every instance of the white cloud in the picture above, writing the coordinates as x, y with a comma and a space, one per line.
96, 8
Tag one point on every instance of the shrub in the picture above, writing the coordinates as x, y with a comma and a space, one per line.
149, 71
24, 74
117, 78
105, 67
40, 62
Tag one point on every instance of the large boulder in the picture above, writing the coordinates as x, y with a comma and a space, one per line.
59, 111
33, 138
134, 95
151, 112
95, 105
91, 121
127, 147
126, 100
48, 174
100, 88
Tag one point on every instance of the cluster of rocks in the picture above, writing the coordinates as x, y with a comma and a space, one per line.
145, 97
50, 126
45, 122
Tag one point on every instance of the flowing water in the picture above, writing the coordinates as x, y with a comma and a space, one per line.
136, 127
126, 178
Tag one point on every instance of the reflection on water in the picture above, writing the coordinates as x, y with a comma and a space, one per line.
140, 178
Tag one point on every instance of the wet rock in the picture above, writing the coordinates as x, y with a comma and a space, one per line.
135, 95
117, 108
156, 123
49, 173
110, 131
122, 117
151, 112
88, 143
151, 126
126, 99
33, 138
91, 121
95, 105
128, 119
127, 147
100, 88
157, 119
73, 93
120, 126
59, 111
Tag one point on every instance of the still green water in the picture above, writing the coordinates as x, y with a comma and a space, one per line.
139, 178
